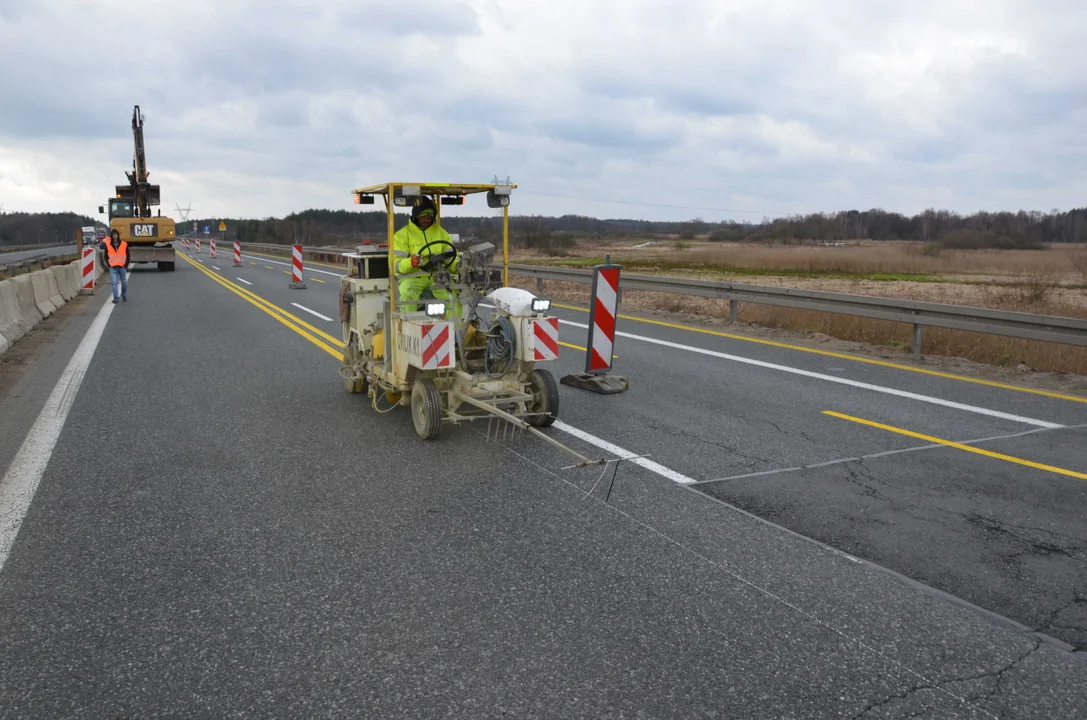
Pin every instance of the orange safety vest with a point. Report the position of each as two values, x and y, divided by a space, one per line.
117 257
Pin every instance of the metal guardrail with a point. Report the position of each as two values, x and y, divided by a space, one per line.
1049 328
11 268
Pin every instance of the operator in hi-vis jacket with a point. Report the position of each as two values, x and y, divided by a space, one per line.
413 269
117 255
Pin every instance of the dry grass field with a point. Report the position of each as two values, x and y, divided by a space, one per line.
1049 282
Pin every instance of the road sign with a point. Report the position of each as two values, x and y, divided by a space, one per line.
194 228
207 230
222 226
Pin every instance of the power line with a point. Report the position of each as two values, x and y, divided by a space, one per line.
660 205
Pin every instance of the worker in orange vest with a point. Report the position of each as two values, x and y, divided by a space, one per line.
117 255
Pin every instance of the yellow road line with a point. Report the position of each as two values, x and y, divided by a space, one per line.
572 347
292 317
317 280
240 292
958 446
269 267
842 356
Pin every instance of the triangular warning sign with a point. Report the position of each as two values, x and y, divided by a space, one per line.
222 225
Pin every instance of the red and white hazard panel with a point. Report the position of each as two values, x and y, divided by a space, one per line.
545 339
436 347
604 310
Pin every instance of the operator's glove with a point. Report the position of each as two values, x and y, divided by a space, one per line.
416 260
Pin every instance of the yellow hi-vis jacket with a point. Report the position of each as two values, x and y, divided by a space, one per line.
409 240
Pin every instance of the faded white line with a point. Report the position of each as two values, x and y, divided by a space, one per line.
646 463
25 472
312 312
215 268
833 379
244 281
305 268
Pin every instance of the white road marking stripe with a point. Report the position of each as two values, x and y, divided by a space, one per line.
311 312
244 281
25 472
215 268
308 269
833 379
626 454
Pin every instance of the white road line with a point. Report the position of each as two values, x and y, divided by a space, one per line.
244 281
311 312
833 379
625 454
21 480
305 268
215 268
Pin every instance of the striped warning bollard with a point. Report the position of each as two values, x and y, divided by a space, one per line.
237 254
600 355
212 253
296 268
88 271
197 246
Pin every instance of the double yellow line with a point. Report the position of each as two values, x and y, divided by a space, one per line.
331 345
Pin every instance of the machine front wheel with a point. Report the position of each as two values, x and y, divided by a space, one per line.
351 359
545 398
426 409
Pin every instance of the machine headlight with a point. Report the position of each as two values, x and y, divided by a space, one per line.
540 305
435 309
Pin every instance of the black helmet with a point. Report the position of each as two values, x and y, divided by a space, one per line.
421 205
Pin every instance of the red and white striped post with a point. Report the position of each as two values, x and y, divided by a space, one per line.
88 271
296 268
213 248
237 253
600 355
198 246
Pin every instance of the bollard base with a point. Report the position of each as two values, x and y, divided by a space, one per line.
86 291
603 384
298 285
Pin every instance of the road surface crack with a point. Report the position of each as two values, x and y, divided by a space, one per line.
751 459
1031 545
997 676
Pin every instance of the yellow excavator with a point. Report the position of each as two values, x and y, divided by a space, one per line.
150 238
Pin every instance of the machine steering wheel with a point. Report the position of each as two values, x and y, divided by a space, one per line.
445 259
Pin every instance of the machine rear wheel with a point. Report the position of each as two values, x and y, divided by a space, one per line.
426 409
545 398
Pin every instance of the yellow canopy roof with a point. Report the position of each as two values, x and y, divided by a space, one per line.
432 188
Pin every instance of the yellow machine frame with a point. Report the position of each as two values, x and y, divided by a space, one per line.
388 191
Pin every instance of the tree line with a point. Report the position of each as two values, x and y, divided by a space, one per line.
1021 229
20 228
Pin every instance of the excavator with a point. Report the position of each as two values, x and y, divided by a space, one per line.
150 238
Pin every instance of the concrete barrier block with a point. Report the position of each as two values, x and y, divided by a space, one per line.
75 275
29 315
64 285
54 288
41 293
10 329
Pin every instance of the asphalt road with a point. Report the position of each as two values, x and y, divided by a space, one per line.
221 530
16 255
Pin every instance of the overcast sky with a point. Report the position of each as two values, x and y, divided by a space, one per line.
263 108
